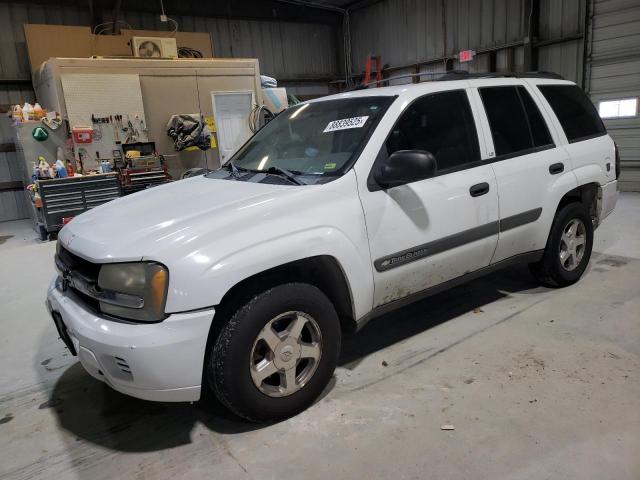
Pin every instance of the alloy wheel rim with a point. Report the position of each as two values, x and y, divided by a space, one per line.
285 354
572 244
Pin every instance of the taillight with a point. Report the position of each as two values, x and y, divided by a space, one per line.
617 161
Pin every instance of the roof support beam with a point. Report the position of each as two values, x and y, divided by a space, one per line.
532 24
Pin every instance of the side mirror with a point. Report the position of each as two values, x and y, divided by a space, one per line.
405 166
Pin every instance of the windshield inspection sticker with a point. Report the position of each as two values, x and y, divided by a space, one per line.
346 123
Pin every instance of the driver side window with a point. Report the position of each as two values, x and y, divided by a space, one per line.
440 123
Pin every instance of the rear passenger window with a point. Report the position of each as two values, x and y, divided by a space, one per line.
517 127
440 123
576 113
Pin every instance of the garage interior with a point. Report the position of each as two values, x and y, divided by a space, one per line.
497 378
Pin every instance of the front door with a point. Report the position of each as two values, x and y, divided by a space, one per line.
427 232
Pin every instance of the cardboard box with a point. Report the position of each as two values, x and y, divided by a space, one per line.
60 41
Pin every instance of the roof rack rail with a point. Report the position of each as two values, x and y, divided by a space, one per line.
462 75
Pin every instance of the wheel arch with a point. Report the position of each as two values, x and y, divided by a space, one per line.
589 194
322 271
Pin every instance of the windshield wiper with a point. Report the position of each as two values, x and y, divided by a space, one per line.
273 170
235 172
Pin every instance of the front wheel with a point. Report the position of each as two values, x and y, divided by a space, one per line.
276 354
568 249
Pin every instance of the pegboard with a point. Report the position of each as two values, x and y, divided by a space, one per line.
104 95
101 95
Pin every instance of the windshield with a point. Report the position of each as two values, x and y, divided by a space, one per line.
318 138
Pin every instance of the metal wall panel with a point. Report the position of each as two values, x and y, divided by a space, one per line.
13 205
406 32
285 49
614 67
561 18
480 25
14 62
564 58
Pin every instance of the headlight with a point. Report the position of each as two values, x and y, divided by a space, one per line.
136 291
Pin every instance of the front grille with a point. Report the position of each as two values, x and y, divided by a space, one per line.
81 269
78 264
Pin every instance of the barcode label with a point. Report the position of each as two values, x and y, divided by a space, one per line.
346 123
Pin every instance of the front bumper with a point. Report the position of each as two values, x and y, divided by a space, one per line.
158 361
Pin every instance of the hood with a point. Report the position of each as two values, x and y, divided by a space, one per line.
142 224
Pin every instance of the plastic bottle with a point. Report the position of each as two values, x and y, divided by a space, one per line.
16 113
34 172
44 167
70 170
27 112
61 170
38 112
105 166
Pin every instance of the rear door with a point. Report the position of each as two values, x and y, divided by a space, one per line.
530 169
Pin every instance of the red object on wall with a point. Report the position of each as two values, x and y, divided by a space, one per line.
378 71
466 55
82 135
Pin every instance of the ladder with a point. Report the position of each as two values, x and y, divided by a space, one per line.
367 71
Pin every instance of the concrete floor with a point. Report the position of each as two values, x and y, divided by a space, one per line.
538 384
17 233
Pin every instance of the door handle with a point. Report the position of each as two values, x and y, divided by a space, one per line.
479 189
556 168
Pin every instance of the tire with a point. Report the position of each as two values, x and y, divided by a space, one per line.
556 270
245 351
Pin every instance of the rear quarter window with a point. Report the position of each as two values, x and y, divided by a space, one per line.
577 115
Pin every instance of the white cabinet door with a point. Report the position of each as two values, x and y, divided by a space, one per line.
231 111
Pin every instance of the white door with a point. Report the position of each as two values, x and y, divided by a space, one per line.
532 173
231 111
427 232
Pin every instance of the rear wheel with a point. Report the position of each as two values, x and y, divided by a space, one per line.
276 353
568 249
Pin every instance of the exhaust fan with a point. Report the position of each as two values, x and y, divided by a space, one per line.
154 47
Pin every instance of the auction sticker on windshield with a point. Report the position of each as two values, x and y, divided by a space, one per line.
346 123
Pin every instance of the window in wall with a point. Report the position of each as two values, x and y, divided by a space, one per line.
516 124
440 123
626 107
576 113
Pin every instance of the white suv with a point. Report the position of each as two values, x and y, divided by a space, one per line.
242 280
